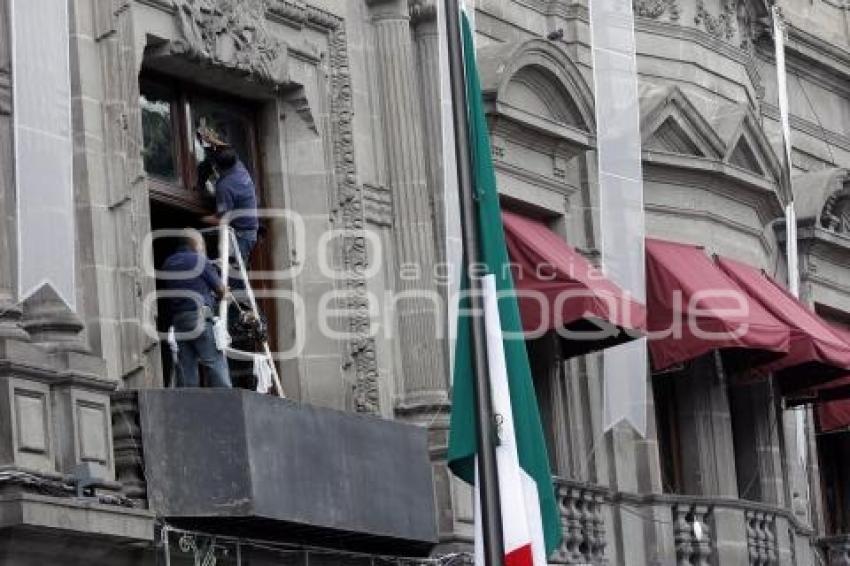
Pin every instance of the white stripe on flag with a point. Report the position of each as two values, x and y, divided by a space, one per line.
517 490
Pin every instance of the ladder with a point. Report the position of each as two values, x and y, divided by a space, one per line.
226 243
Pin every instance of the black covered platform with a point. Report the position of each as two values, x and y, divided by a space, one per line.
242 464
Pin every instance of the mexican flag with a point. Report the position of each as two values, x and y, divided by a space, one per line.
530 518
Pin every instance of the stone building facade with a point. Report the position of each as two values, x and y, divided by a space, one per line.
334 105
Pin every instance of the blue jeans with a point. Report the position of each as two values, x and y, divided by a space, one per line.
245 240
198 347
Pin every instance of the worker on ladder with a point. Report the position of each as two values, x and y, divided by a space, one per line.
235 193
194 288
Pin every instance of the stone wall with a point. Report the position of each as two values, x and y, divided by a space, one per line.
348 132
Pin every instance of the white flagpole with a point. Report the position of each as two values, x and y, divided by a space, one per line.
790 214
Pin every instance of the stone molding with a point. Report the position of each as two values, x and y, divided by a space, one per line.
654 9
498 64
809 128
704 39
233 34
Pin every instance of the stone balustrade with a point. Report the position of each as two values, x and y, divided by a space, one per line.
837 550
761 537
706 531
583 524
692 534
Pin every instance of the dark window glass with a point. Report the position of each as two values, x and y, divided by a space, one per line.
158 133
231 123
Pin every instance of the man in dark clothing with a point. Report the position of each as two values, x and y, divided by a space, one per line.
235 193
189 273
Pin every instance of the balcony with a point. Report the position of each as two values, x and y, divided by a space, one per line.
237 463
690 530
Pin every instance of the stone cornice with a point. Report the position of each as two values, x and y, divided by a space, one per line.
815 130
533 178
568 11
679 212
294 13
818 60
706 40
759 187
836 245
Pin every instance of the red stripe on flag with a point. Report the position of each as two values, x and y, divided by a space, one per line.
522 556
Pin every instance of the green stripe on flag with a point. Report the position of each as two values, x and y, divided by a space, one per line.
531 444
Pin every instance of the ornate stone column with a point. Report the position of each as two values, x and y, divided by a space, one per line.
10 312
417 306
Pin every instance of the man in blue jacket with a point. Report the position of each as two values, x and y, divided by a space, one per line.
194 287
235 193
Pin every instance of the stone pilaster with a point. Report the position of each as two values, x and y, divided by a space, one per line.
426 31
427 36
418 310
10 312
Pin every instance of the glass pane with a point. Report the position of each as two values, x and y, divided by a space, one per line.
232 126
158 132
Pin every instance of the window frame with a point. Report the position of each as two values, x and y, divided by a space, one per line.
182 192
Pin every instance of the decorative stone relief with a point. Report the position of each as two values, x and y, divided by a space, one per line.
350 215
234 35
836 212
721 26
654 9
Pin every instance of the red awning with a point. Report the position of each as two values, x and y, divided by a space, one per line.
558 289
833 390
694 308
832 399
833 415
816 355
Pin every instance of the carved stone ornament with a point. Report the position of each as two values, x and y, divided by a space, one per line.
654 9
350 217
836 212
233 34
423 10
751 27
721 26
5 93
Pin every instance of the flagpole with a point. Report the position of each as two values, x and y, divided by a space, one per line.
488 478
